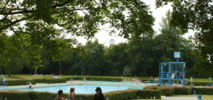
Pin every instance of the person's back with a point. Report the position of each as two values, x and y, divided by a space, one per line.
99 95
60 93
58 98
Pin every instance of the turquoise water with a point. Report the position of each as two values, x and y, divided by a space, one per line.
81 89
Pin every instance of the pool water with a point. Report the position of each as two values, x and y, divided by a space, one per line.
80 89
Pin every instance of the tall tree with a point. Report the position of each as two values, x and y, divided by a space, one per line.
196 15
44 20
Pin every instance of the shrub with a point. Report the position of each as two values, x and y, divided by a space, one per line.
203 90
183 90
151 87
155 94
19 82
148 94
147 79
145 94
26 95
167 91
95 79
119 95
39 80
62 80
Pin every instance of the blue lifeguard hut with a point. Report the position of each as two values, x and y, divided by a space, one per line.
172 71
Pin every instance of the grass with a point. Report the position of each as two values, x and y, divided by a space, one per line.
30 77
205 97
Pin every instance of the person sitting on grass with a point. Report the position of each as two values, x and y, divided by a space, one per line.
99 95
71 95
60 93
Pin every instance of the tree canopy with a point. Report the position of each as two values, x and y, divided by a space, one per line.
40 22
195 15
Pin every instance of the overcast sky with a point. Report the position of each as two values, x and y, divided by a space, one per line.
104 37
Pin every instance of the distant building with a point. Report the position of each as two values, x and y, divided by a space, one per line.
111 42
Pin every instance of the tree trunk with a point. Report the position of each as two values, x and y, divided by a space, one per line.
9 73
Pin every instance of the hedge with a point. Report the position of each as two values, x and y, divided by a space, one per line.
24 95
120 95
60 80
19 82
55 80
149 94
199 83
95 79
183 90
24 82
203 90
167 91
151 87
147 79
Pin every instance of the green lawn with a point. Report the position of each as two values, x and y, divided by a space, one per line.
29 77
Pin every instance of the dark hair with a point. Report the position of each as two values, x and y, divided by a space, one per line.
99 89
60 92
72 90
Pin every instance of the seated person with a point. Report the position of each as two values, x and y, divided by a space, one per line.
60 93
30 86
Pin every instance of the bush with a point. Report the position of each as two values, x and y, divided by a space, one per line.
55 80
155 94
39 80
119 95
145 94
203 90
24 95
151 87
167 91
183 90
95 79
19 82
148 94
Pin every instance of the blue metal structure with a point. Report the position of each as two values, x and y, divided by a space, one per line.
4 80
172 71
209 80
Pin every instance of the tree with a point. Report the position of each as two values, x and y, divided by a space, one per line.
127 71
117 58
196 15
45 20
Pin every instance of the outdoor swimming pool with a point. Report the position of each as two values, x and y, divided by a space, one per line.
81 89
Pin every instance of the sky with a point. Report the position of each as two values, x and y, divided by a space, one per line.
104 37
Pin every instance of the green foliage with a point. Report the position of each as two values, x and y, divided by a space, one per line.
183 90
20 95
55 80
148 94
167 91
196 15
127 71
203 90
39 24
151 87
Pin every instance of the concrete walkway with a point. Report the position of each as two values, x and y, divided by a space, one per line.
178 98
